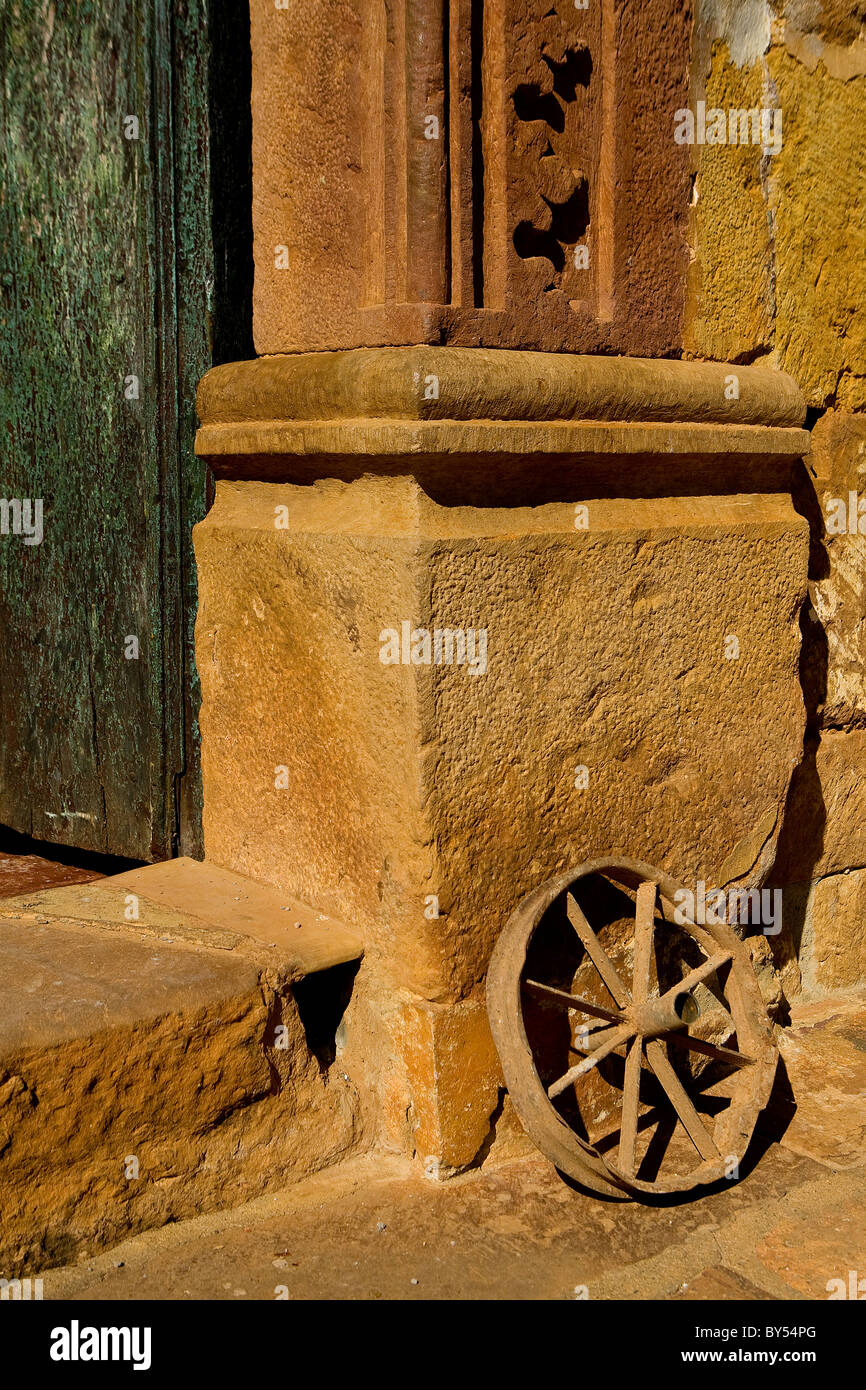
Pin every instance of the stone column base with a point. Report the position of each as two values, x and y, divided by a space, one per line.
469 618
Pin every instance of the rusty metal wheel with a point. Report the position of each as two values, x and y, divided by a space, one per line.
637 1052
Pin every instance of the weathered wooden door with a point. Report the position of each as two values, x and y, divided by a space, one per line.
125 272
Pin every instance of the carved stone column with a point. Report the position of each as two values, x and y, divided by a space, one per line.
493 172
472 614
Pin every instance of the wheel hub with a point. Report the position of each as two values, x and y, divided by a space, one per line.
674 1010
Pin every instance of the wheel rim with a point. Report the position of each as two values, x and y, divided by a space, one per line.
667 1014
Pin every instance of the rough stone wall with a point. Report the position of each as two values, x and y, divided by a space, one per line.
778 246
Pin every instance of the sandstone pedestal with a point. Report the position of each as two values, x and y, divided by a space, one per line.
468 618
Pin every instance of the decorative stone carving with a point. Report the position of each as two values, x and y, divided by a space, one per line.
475 172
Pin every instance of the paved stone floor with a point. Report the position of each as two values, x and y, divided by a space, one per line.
372 1230
375 1228
25 867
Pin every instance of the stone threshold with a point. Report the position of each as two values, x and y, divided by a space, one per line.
185 901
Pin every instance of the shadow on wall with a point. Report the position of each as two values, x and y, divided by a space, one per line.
801 838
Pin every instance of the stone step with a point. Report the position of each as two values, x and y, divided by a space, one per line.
157 1065
203 904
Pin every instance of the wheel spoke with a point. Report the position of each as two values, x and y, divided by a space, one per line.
640 984
707 942
597 954
630 1101
571 1001
617 1036
588 1040
643 942
701 972
691 1120
720 1054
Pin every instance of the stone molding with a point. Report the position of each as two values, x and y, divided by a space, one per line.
443 400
